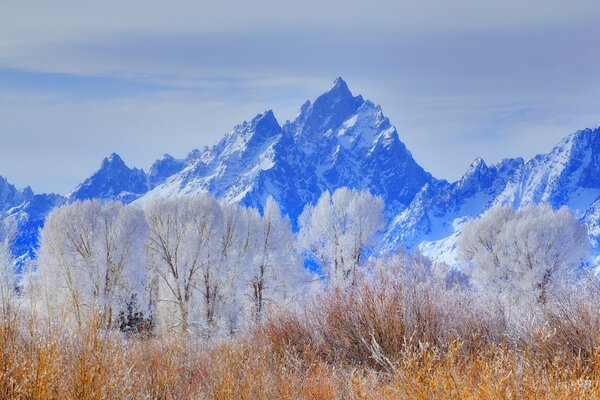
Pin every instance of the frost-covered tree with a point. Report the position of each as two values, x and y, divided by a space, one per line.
217 265
184 248
91 259
337 231
275 272
234 249
7 273
523 253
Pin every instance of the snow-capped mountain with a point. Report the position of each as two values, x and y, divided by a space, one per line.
116 181
29 217
26 211
166 166
437 209
113 181
10 196
567 176
338 140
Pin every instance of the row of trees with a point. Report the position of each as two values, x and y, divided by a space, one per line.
193 264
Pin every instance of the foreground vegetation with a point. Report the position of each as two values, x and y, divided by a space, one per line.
192 298
399 334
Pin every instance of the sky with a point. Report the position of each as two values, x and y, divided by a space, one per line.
459 79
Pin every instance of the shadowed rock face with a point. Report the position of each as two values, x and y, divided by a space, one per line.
10 196
29 218
111 181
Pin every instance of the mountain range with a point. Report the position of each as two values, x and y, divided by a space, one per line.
338 140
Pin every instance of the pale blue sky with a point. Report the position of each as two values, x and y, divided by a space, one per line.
459 79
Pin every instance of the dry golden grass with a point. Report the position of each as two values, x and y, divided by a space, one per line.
373 342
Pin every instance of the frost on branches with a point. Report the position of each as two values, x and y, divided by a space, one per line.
216 267
524 255
182 265
182 245
91 260
337 231
275 272
7 273
195 266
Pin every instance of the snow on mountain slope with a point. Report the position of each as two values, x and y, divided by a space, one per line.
591 218
231 167
113 181
339 140
438 210
26 211
568 175
29 217
10 196
166 166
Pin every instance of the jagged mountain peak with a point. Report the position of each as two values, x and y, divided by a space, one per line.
478 178
264 125
509 164
266 117
10 196
328 111
113 161
337 140
587 135
580 152
114 180
568 175
265 121
340 139
194 154
163 168
477 165
340 86
573 146
246 137
166 156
